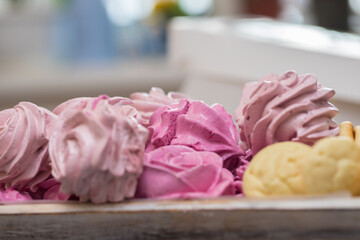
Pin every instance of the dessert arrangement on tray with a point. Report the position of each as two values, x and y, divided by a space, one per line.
153 145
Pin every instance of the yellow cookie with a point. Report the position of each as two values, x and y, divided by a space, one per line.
333 165
347 129
357 135
276 171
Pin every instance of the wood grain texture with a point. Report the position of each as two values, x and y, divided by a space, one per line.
225 218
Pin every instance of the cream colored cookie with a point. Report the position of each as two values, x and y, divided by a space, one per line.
333 165
357 135
347 129
276 171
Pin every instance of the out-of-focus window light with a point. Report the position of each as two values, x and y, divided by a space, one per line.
355 6
197 7
125 12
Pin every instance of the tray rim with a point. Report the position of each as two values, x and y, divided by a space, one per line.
216 204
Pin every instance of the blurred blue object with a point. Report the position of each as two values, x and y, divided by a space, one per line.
138 39
99 30
82 32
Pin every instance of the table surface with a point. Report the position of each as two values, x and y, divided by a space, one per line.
331 217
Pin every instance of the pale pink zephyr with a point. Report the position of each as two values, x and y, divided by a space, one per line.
284 108
81 102
97 150
58 110
147 103
24 134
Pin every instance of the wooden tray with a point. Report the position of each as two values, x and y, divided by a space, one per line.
222 218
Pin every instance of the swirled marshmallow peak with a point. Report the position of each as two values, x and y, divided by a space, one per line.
24 135
80 102
284 108
196 125
97 150
58 110
147 103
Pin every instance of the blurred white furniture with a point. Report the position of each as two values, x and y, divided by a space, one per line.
219 55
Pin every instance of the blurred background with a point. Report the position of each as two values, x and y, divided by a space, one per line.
54 50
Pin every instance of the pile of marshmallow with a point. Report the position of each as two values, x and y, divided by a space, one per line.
153 145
